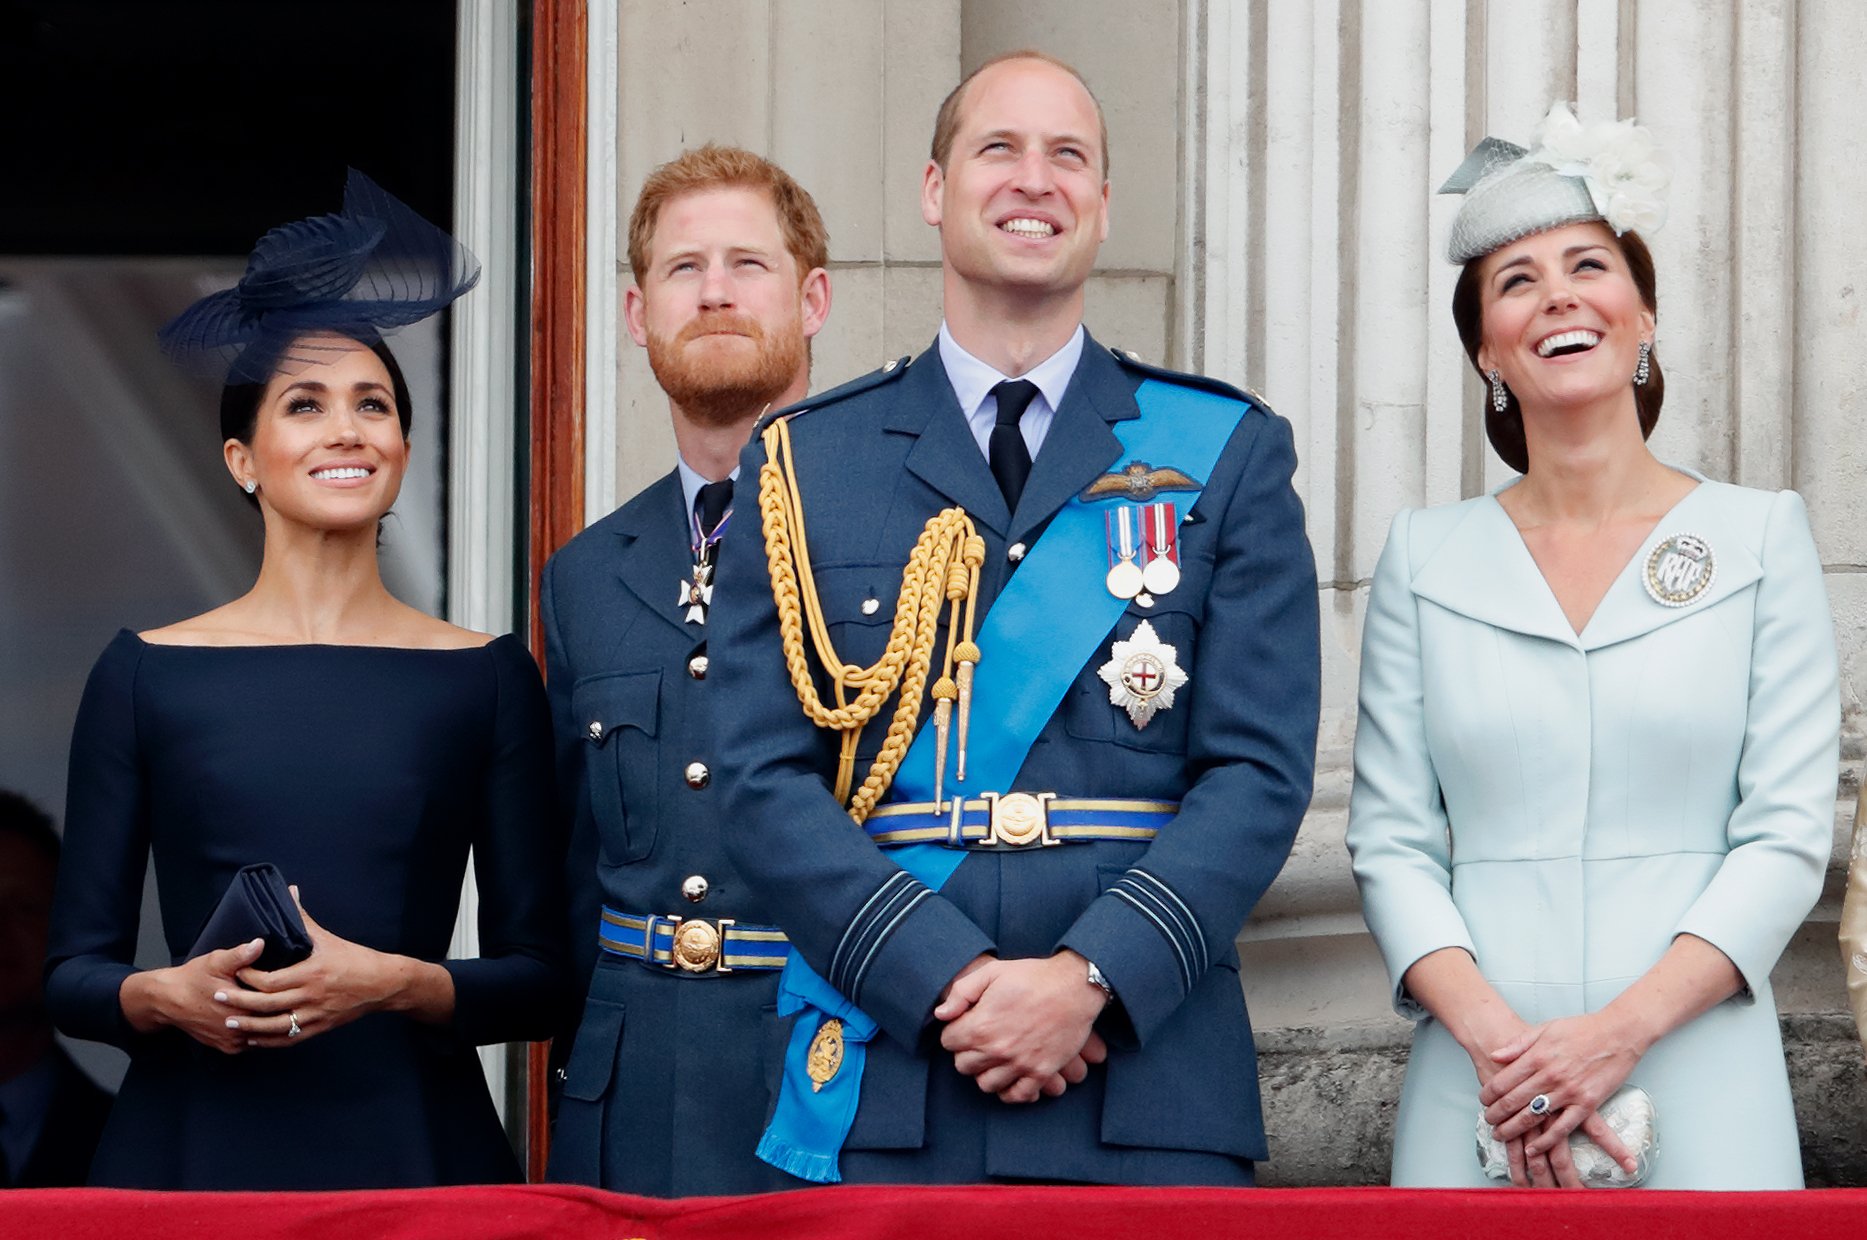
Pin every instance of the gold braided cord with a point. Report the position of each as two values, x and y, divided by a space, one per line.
942 569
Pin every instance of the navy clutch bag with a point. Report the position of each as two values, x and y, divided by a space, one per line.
257 905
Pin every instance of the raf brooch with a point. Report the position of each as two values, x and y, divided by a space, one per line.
1142 674
1679 570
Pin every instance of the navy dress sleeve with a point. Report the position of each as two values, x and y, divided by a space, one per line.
98 906
516 989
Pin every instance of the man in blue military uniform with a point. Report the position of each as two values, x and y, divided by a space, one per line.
1014 936
664 1089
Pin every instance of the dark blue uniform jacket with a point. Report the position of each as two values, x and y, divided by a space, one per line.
1178 1100
665 1089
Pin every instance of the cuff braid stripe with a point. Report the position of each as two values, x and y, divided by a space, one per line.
1184 916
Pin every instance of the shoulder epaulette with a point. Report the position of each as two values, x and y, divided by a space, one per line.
889 372
1132 360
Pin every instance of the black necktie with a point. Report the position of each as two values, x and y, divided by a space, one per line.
711 503
1005 451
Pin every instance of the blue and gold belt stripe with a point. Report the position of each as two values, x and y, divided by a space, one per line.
733 945
1067 820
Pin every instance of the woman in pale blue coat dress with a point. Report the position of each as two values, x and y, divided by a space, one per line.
1596 760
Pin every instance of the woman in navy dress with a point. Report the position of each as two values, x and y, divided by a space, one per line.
321 725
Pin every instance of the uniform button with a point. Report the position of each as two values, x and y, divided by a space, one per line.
698 776
694 888
596 729
1015 552
870 606
697 667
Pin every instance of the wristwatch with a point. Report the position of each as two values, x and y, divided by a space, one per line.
1100 982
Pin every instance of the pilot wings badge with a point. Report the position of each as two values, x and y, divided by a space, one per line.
1142 674
1138 481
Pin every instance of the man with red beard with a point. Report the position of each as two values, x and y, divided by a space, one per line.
665 1088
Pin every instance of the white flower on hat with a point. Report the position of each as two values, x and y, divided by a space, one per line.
1624 170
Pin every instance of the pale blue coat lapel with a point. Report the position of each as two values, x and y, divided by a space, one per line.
1483 570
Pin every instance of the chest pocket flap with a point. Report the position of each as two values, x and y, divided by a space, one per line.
618 714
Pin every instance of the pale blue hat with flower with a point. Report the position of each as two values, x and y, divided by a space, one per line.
1572 173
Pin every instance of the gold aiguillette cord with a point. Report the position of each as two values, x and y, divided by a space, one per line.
943 569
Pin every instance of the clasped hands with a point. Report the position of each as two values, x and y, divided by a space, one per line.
221 1001
1574 1063
1023 1029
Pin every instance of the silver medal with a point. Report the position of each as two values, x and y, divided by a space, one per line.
1679 570
1161 575
1125 577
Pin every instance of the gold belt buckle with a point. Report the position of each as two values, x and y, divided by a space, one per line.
1019 820
697 945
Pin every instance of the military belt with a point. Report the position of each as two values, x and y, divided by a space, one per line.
692 944
1015 821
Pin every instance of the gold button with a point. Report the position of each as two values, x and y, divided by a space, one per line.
1015 552
697 667
698 776
694 888
596 729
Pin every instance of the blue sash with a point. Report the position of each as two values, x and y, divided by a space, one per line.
1041 629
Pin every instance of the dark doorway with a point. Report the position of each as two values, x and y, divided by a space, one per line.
189 127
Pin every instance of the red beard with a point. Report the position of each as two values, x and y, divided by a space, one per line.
723 386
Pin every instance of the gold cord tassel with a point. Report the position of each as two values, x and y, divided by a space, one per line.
943 568
943 693
967 655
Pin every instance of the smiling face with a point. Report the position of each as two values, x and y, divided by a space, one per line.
1562 319
1022 203
721 306
327 448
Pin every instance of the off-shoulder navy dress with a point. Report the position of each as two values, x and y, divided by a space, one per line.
365 774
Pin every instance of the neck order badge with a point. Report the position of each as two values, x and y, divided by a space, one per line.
1052 616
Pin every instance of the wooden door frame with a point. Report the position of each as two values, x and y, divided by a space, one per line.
559 184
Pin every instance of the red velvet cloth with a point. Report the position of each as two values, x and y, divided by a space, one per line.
545 1212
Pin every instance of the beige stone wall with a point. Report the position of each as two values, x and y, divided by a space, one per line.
842 93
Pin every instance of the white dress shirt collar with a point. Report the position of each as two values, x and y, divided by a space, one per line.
973 381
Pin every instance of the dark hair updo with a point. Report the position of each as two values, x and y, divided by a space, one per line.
1505 430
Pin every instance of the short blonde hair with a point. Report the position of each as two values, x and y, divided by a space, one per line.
729 167
946 121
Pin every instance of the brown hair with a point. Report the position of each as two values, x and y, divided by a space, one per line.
1505 430
729 167
946 121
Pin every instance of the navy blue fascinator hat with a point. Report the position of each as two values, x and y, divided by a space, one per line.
367 270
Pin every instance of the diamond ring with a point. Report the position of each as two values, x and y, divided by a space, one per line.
1539 1105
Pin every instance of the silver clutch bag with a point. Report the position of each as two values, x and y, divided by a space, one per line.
1629 1112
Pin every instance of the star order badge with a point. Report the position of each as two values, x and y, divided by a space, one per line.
1142 674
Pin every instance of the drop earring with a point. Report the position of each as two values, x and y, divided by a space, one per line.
1643 369
1500 398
